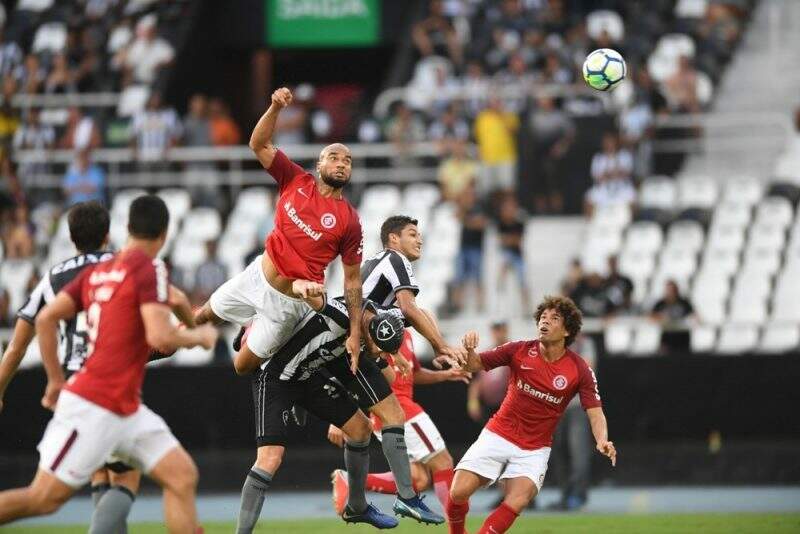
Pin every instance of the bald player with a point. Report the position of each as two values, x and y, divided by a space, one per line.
314 223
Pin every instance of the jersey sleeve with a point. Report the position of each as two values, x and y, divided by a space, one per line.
402 274
407 350
352 243
75 288
152 282
36 300
500 356
284 170
587 385
336 311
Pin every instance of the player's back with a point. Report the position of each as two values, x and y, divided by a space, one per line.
111 294
310 229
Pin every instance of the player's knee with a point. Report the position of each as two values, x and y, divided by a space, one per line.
518 500
43 503
442 461
391 413
459 493
269 458
185 479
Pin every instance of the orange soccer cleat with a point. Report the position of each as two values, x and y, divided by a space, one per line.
340 490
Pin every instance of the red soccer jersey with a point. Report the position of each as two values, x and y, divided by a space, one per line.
111 293
538 392
403 386
310 230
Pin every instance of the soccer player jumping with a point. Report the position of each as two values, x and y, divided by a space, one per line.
314 223
515 444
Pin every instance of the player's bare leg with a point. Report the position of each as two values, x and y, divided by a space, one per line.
465 484
43 496
113 503
519 492
177 474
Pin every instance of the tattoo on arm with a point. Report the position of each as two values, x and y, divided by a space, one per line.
352 298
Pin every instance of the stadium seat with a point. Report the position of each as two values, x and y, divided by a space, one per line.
719 261
766 261
380 198
710 286
646 338
188 254
728 213
178 202
50 37
702 338
603 241
751 284
737 339
726 237
697 192
674 45
132 99
605 20
710 312
787 190
636 263
742 191
658 192
687 236
421 195
202 224
38 6
769 236
786 308
676 263
691 9
617 337
774 210
748 309
645 237
615 216
661 67
14 277
779 338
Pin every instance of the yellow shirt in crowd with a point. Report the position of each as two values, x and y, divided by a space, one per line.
494 132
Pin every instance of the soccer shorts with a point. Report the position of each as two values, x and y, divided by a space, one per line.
423 439
248 297
495 458
368 386
273 400
82 436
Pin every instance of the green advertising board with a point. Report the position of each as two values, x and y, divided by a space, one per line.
322 23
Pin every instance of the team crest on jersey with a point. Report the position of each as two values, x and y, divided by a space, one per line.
328 220
559 382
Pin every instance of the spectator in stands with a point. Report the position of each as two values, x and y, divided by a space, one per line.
457 172
31 76
7 316
511 230
84 180
488 388
591 297
672 309
147 54
18 235
476 86
81 132
403 129
518 78
10 54
435 35
224 131
448 129
681 88
469 262
611 170
555 71
636 122
87 65
196 125
574 277
507 28
292 123
33 135
552 132
61 79
9 118
210 274
619 288
155 130
495 132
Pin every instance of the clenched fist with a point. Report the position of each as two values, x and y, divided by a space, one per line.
281 97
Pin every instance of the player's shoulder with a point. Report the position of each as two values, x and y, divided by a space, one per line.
577 360
396 256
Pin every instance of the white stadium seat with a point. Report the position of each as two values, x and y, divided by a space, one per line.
254 202
719 262
14 277
193 357
384 199
686 236
618 337
605 20
762 260
132 99
767 235
614 216
188 254
775 210
742 191
702 338
697 192
636 264
676 264
730 213
786 308
646 338
644 237
779 338
726 237
50 37
658 192
712 287
751 284
675 45
421 195
691 9
202 224
710 312
748 309
737 339
178 202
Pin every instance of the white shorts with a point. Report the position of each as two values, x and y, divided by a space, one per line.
495 458
83 436
248 297
423 439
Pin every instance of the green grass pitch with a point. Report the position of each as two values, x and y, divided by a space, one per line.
544 524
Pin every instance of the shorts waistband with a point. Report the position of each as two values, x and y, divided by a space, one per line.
266 283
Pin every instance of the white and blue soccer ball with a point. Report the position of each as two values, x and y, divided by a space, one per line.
604 69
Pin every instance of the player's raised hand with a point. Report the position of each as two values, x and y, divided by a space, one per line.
51 394
458 375
306 289
607 449
445 360
336 436
470 340
281 97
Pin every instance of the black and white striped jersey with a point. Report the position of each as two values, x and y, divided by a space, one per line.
72 347
317 339
384 274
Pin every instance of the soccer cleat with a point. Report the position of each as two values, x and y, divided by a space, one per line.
416 509
340 490
371 515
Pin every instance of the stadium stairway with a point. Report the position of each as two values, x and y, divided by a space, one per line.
551 243
762 78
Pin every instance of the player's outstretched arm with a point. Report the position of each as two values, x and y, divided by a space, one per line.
60 309
425 325
597 420
261 138
165 337
425 377
23 334
180 305
353 299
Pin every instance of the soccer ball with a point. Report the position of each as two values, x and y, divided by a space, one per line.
604 69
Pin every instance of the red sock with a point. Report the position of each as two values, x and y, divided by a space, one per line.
456 516
499 521
442 480
382 483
